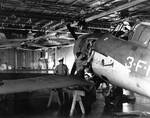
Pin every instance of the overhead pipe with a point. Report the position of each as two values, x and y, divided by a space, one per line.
119 8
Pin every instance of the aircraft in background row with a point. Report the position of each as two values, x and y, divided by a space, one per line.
41 42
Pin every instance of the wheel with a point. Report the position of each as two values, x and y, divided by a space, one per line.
113 96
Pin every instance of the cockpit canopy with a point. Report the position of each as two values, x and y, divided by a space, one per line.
142 34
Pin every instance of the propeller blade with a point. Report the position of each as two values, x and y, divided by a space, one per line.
71 30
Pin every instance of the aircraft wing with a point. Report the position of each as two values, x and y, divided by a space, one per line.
42 82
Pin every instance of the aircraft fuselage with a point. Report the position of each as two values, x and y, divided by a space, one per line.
124 63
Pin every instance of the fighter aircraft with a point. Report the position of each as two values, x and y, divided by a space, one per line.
122 63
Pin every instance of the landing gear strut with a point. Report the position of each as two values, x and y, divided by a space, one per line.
114 97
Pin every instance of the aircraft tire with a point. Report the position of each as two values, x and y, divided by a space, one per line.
115 97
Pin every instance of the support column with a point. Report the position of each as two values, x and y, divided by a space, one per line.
16 61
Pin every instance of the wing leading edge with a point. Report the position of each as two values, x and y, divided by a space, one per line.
43 82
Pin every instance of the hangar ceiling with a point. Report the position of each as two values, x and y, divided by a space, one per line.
51 16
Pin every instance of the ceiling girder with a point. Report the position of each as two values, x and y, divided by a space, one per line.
120 8
111 11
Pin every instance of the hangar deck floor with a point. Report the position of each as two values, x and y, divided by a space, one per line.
37 109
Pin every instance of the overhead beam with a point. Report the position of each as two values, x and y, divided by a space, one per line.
74 2
40 15
120 8
39 22
47 24
64 28
56 25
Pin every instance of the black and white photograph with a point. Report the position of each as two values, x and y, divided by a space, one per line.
74 58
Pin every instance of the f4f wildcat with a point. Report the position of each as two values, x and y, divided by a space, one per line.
123 63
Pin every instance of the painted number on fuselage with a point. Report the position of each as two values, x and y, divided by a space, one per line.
137 66
129 62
